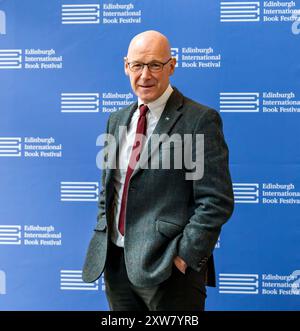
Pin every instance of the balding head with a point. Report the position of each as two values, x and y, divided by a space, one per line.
149 47
150 41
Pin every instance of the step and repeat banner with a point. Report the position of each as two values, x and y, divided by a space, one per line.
61 75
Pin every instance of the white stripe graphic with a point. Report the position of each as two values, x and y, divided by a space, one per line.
246 192
239 102
79 191
72 280
10 146
239 11
10 234
80 102
238 283
81 14
10 58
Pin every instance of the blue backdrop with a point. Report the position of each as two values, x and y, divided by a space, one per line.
61 74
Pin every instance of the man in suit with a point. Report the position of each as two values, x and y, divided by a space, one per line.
157 226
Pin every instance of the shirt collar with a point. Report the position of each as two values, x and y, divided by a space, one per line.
157 106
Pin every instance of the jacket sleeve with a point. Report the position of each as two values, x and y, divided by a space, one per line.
212 194
102 195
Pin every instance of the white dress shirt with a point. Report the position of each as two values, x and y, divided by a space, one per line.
155 110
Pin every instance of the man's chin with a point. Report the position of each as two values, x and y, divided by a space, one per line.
147 95
146 98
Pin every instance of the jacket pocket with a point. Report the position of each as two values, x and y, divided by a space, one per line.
168 229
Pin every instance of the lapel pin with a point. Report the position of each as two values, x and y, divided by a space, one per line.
167 118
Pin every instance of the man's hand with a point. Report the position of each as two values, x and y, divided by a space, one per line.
180 264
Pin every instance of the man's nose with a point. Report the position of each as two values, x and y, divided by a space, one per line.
146 73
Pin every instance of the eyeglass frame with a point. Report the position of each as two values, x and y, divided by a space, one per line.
147 64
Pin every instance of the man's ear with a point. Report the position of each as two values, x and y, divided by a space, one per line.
172 66
126 69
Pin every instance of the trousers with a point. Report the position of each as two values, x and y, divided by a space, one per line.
180 292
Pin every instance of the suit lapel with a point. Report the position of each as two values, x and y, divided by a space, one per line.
167 120
124 121
121 120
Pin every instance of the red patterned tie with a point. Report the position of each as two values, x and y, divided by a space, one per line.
134 157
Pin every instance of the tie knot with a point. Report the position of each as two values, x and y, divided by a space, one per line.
143 110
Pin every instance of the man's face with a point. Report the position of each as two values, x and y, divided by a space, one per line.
147 85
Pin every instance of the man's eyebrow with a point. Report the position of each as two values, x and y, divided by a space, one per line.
136 61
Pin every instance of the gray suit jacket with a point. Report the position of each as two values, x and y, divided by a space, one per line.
167 215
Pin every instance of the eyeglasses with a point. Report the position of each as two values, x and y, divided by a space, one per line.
154 66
